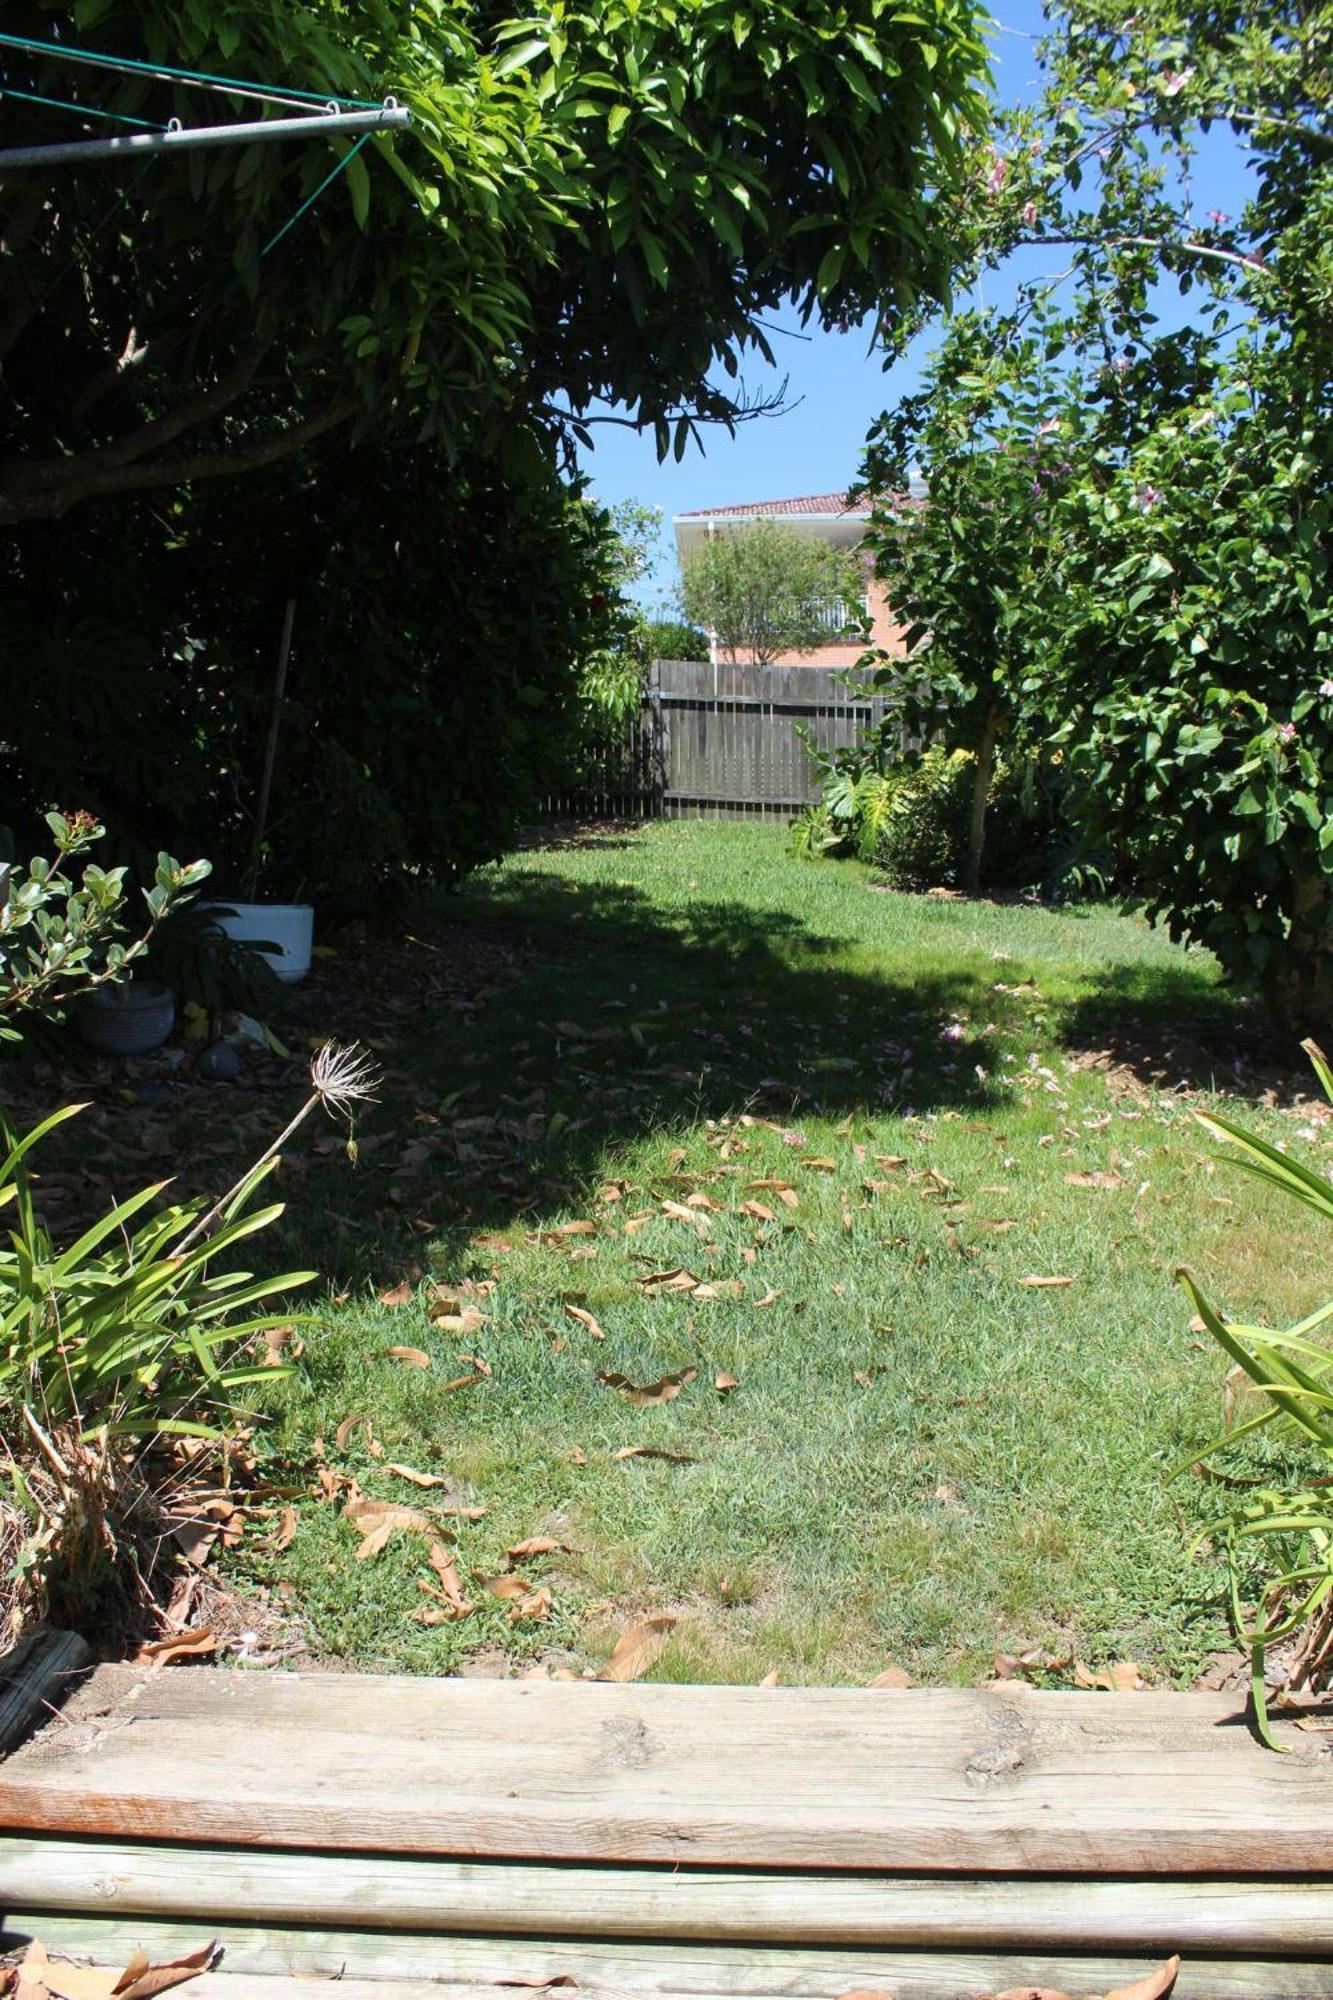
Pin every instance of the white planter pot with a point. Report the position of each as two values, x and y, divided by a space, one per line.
289 926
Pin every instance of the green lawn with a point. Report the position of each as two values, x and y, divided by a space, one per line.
924 1457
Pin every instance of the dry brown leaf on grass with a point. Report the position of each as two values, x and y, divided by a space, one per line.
466 1320
679 1213
537 1545
538 1984
725 1383
638 1647
463 1382
377 1520
415 1478
582 1317
345 1429
534 1608
770 1298
1096 1180
397 1295
678 1279
1045 1284
197 1644
1028 1660
286 1534
1121 1678
652 1451
721 1288
646 1394
784 1191
411 1357
759 1210
892 1677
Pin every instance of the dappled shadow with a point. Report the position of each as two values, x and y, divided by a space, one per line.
1168 1028
596 1017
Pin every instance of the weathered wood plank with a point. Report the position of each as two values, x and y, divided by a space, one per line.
102 1878
956 1780
35 1677
466 1968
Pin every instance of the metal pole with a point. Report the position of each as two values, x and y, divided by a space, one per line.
390 117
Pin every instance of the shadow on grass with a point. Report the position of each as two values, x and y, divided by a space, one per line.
1171 1028
621 1020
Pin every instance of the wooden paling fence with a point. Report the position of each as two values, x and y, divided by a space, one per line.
724 741
420 1839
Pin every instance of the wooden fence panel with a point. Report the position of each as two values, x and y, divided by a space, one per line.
718 739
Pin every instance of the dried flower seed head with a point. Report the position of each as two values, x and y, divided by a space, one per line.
344 1077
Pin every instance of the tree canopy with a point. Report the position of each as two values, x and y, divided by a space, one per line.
766 589
594 205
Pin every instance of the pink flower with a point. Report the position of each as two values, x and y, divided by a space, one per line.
1326 689
1050 424
1148 498
1029 214
954 1032
1173 81
1287 731
1217 216
998 175
1121 363
794 1139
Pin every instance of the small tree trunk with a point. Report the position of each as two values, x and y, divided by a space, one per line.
981 783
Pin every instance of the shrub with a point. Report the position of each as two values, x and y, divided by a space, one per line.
59 938
112 1348
1278 1539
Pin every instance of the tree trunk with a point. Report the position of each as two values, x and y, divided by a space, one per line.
981 783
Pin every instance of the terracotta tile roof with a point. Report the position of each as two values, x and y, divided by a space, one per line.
804 503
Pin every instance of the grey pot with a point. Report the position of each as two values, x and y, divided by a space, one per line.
126 1020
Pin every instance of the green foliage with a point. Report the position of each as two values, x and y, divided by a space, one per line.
676 639
1162 579
1195 659
59 937
593 204
1285 1533
766 589
123 1331
450 620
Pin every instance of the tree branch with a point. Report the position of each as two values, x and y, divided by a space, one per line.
87 480
1240 258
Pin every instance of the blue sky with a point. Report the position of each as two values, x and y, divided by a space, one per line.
836 385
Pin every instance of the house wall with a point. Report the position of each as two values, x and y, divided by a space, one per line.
885 632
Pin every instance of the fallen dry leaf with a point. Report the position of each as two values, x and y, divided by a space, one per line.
196 1644
677 1279
539 1984
645 1394
724 1383
583 1318
1122 1678
759 1210
770 1298
892 1677
377 1520
653 1451
1095 1180
499 1246
505 1586
721 1288
397 1295
466 1320
638 1647
536 1545
535 1607
771 1678
1028 1660
154 1979
1154 1987
412 1357
464 1382
1045 1284
410 1473
450 1582
286 1534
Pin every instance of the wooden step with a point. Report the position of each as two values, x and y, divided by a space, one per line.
360 1892
1000 1780
289 1964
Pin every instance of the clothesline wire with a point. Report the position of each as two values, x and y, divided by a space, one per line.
168 73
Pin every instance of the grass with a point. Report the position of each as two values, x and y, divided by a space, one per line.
925 1458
